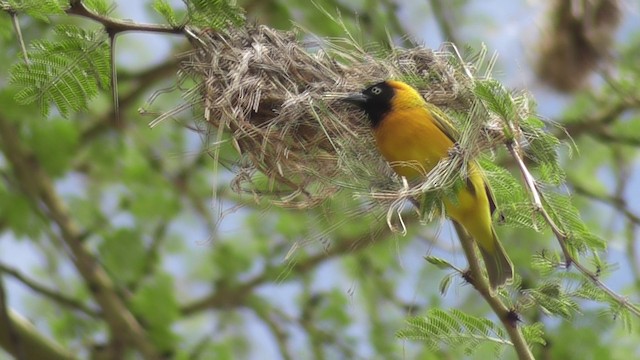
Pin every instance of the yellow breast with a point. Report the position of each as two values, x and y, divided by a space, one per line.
411 142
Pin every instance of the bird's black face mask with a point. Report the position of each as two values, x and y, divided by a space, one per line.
375 101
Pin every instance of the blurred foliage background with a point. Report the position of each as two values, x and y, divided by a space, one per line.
112 245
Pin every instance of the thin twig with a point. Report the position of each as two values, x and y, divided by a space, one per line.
530 182
442 14
593 123
114 79
143 81
618 203
114 26
258 306
49 293
16 27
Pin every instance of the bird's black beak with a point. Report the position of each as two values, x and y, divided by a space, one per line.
358 99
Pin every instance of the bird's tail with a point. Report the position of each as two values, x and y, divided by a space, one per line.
499 267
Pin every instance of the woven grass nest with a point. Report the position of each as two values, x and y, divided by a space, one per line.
277 99
578 39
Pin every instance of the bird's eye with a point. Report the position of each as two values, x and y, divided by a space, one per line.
376 90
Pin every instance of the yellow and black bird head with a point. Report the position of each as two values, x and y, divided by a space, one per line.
380 99
375 101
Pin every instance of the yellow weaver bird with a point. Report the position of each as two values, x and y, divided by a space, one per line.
413 136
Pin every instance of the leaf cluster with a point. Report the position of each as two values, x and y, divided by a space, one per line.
213 15
67 71
454 329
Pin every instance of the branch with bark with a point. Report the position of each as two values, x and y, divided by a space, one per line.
39 189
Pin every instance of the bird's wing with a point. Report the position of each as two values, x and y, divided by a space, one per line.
492 200
443 123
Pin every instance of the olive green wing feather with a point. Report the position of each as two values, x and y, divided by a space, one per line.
443 123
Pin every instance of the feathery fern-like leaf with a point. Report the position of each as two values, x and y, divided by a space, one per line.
497 99
568 218
512 201
545 263
38 9
68 71
100 7
163 8
534 334
553 299
542 148
454 328
439 262
214 14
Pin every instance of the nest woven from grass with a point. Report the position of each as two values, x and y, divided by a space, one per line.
578 38
279 99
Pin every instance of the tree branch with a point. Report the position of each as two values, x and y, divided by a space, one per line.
49 293
507 317
442 14
236 295
280 334
114 26
595 122
32 345
39 188
21 339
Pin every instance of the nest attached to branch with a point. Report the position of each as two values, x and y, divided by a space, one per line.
278 100
578 38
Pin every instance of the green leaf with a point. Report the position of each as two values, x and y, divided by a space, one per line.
215 14
512 201
154 200
553 299
568 219
230 258
291 225
163 8
546 263
542 147
455 329
68 71
497 99
54 143
445 283
588 290
39 9
100 7
156 303
332 308
6 28
16 210
534 334
440 263
123 253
